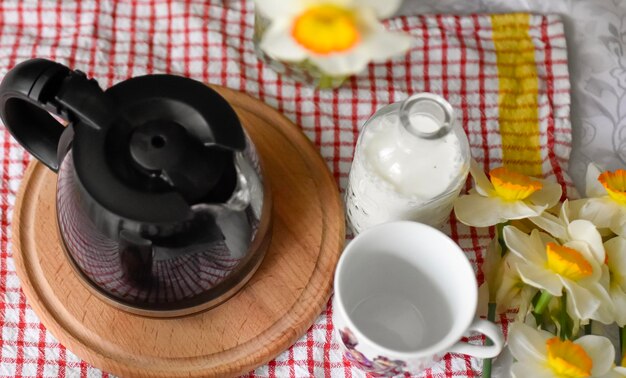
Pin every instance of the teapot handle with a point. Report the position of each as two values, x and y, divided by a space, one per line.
25 108
35 90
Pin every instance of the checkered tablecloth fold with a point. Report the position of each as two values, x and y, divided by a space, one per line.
505 75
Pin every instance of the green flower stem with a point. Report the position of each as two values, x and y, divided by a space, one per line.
622 341
326 82
566 331
542 303
588 328
491 313
330 82
500 235
491 316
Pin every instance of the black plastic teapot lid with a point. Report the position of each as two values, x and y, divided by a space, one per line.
170 146
146 149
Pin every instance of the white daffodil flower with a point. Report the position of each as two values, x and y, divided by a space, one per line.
586 232
540 354
606 202
512 292
565 230
616 262
574 267
507 195
502 282
340 37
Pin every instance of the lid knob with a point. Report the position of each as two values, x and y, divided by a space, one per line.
164 150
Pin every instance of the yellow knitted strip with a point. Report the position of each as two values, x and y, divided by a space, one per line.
518 97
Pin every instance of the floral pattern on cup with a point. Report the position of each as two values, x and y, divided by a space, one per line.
380 367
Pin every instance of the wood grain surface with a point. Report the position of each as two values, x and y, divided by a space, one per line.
276 307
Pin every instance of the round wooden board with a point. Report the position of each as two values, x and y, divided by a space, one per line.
275 308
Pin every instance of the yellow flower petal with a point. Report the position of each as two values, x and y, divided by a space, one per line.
513 186
567 359
567 262
615 185
326 29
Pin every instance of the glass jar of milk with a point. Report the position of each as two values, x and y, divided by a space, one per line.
410 163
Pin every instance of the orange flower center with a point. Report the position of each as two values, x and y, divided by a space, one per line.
567 262
567 359
615 184
513 186
326 29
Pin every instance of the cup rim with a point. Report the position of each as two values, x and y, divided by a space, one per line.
441 346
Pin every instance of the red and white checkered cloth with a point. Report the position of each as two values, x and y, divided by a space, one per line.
211 41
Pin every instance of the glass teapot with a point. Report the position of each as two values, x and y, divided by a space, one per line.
161 204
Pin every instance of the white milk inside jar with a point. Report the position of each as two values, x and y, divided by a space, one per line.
410 163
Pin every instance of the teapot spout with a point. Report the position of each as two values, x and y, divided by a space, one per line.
234 217
233 223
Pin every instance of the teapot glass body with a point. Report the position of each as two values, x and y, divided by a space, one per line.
161 202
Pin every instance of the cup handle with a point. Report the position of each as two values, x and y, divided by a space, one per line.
487 328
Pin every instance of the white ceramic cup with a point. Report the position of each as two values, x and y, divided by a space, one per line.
405 294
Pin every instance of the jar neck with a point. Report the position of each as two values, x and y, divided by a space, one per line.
425 116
